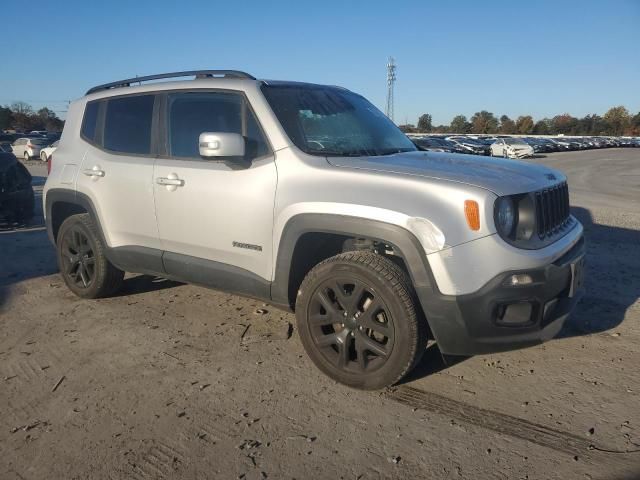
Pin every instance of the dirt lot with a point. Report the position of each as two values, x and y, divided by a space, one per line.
175 381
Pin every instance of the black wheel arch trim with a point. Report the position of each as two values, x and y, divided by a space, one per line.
405 244
130 258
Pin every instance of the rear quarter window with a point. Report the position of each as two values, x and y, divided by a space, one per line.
90 121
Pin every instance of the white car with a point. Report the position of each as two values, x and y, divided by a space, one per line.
28 147
45 153
511 148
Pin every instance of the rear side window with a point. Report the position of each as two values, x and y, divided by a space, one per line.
127 124
193 113
90 121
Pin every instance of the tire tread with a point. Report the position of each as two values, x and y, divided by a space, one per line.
401 285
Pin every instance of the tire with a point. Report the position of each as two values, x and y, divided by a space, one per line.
340 300
505 154
26 156
43 156
82 260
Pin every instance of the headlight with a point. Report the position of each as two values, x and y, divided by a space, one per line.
505 216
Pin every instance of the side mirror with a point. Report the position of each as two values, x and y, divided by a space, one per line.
219 144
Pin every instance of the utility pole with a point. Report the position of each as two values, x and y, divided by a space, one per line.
391 80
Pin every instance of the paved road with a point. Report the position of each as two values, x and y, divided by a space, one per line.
601 178
175 381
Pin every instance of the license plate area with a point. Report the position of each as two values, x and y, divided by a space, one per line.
577 276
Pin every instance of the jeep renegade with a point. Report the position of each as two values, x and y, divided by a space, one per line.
308 197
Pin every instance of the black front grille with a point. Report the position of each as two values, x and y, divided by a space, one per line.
552 210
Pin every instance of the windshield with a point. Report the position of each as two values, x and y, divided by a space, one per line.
330 121
514 141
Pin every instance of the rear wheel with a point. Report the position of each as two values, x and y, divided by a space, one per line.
358 321
82 261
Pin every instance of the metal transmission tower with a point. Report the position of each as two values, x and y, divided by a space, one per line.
391 80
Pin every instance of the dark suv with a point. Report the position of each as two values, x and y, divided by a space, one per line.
16 194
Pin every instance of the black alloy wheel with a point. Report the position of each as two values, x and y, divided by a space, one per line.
80 261
359 320
351 325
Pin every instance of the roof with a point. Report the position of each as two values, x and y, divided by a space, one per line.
199 75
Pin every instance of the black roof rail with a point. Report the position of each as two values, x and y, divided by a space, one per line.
190 73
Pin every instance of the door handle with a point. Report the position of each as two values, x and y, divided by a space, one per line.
93 172
171 182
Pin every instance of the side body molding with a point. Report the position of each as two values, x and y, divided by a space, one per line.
150 261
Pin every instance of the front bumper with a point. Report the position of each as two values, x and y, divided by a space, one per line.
521 153
485 321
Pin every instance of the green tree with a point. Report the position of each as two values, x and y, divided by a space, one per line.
507 125
425 123
634 127
459 124
524 124
565 124
408 128
49 120
22 113
618 119
6 117
543 127
484 122
592 125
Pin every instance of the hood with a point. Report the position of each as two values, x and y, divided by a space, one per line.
500 176
7 160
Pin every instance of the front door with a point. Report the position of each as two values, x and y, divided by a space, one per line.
216 218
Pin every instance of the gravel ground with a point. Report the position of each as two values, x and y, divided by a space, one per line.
175 381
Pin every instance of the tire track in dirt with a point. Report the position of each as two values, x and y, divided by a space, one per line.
160 460
30 367
498 422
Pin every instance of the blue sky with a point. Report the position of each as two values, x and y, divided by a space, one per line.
509 57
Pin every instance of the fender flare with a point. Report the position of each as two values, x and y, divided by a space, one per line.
405 244
65 195
129 258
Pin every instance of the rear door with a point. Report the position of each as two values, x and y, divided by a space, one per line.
117 172
220 220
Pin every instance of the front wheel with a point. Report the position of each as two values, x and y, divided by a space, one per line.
43 156
358 321
26 156
82 260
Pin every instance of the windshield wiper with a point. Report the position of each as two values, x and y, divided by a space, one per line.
332 153
392 152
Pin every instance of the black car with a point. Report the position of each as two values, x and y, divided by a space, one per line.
16 195
471 145
437 144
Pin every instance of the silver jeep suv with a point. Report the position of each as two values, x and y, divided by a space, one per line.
307 197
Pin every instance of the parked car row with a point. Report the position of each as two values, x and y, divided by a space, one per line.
36 144
516 147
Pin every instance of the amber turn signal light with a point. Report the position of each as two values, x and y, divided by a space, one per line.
472 212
